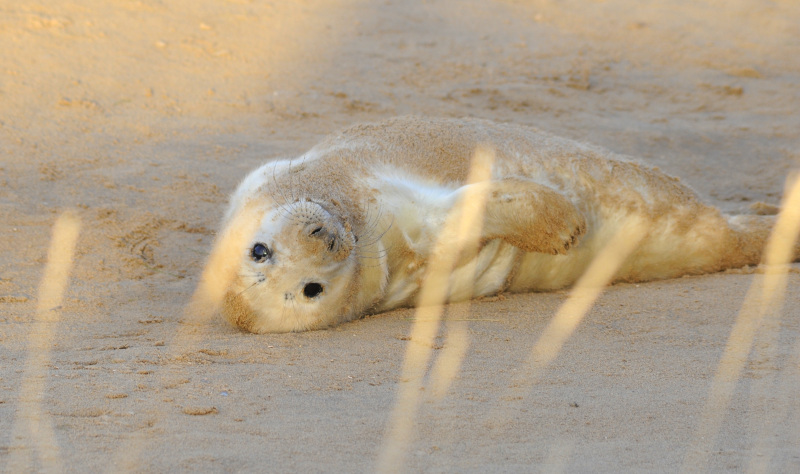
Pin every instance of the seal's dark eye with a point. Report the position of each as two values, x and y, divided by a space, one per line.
312 290
260 252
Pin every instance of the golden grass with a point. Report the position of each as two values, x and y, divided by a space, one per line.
763 300
467 218
32 423
448 363
460 235
218 273
223 263
583 296
760 314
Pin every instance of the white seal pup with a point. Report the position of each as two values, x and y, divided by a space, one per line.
348 228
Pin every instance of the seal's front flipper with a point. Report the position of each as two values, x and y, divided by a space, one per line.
532 217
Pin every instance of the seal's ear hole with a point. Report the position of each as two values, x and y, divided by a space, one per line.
312 290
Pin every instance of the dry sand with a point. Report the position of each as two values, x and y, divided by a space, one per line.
140 116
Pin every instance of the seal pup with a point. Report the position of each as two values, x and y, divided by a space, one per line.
348 228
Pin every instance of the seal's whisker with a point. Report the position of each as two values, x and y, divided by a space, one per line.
291 306
369 241
291 182
379 237
373 221
275 180
360 252
366 245
365 259
370 216
251 275
281 205
378 254
288 212
291 177
251 286
380 219
375 265
284 211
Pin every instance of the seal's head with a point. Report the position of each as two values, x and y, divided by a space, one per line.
298 272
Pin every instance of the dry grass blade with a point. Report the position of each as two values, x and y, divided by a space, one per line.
33 424
459 235
222 264
448 363
763 299
218 273
586 291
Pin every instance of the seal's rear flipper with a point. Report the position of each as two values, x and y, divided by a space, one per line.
752 234
531 217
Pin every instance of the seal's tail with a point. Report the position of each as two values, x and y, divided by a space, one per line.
751 234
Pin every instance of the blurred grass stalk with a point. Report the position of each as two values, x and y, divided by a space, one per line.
33 428
763 300
459 236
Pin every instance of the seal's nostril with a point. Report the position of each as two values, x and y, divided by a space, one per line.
312 290
316 231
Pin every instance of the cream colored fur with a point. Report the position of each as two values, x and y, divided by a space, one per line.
359 214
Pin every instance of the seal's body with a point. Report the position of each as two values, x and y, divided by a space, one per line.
348 228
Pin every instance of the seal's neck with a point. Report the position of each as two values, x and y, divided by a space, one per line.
373 274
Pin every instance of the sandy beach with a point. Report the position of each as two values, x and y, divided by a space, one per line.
125 124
